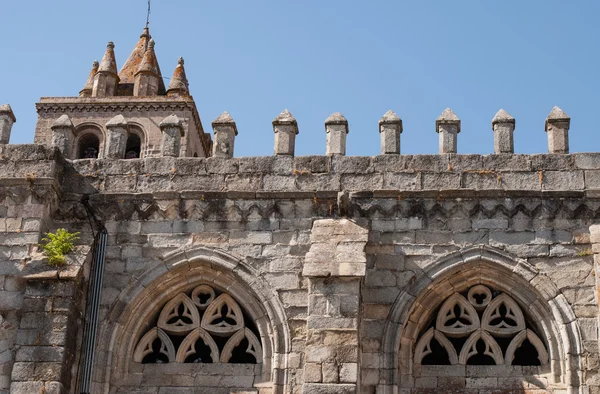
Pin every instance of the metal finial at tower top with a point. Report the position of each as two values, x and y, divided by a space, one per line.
148 14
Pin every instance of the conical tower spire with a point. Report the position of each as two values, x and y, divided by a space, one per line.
109 62
132 65
147 77
179 85
149 63
89 84
106 78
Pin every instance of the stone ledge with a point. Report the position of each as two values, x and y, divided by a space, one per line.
322 388
399 176
38 269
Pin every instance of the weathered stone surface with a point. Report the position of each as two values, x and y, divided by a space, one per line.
390 128
447 125
337 266
172 129
557 127
7 119
336 127
337 249
225 131
503 125
285 127
116 141
62 134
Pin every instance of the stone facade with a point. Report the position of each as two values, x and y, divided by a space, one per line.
393 274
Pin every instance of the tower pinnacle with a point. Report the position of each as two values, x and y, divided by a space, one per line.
179 85
89 84
132 65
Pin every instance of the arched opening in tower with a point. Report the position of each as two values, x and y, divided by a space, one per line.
89 147
134 147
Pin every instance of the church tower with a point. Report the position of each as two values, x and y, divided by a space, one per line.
122 111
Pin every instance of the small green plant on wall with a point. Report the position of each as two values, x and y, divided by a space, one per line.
56 245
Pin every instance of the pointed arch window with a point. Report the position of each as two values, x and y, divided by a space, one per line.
480 326
202 325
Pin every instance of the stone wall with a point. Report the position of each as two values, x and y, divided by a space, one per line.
341 261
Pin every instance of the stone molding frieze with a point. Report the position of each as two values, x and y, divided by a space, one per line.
219 206
53 104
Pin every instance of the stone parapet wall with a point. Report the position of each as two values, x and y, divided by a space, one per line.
448 173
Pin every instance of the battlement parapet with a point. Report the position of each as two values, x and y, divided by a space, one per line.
285 127
406 173
460 174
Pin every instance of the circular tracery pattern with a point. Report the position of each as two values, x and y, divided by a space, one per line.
200 327
480 327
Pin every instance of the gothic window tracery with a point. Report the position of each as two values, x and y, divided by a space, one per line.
200 326
480 326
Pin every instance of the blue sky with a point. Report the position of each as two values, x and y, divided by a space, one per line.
316 57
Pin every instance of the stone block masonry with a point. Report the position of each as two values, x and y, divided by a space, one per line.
340 262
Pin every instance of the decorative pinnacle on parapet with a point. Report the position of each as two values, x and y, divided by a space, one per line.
62 133
557 127
172 130
117 121
336 127
170 121
225 130
447 125
62 122
503 126
390 128
7 119
285 128
5 109
502 117
225 120
557 115
447 117
285 118
336 118
391 118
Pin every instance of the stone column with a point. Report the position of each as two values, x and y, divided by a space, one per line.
47 334
334 266
63 134
286 129
557 127
336 127
448 127
503 125
390 128
172 130
7 119
225 131
116 141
